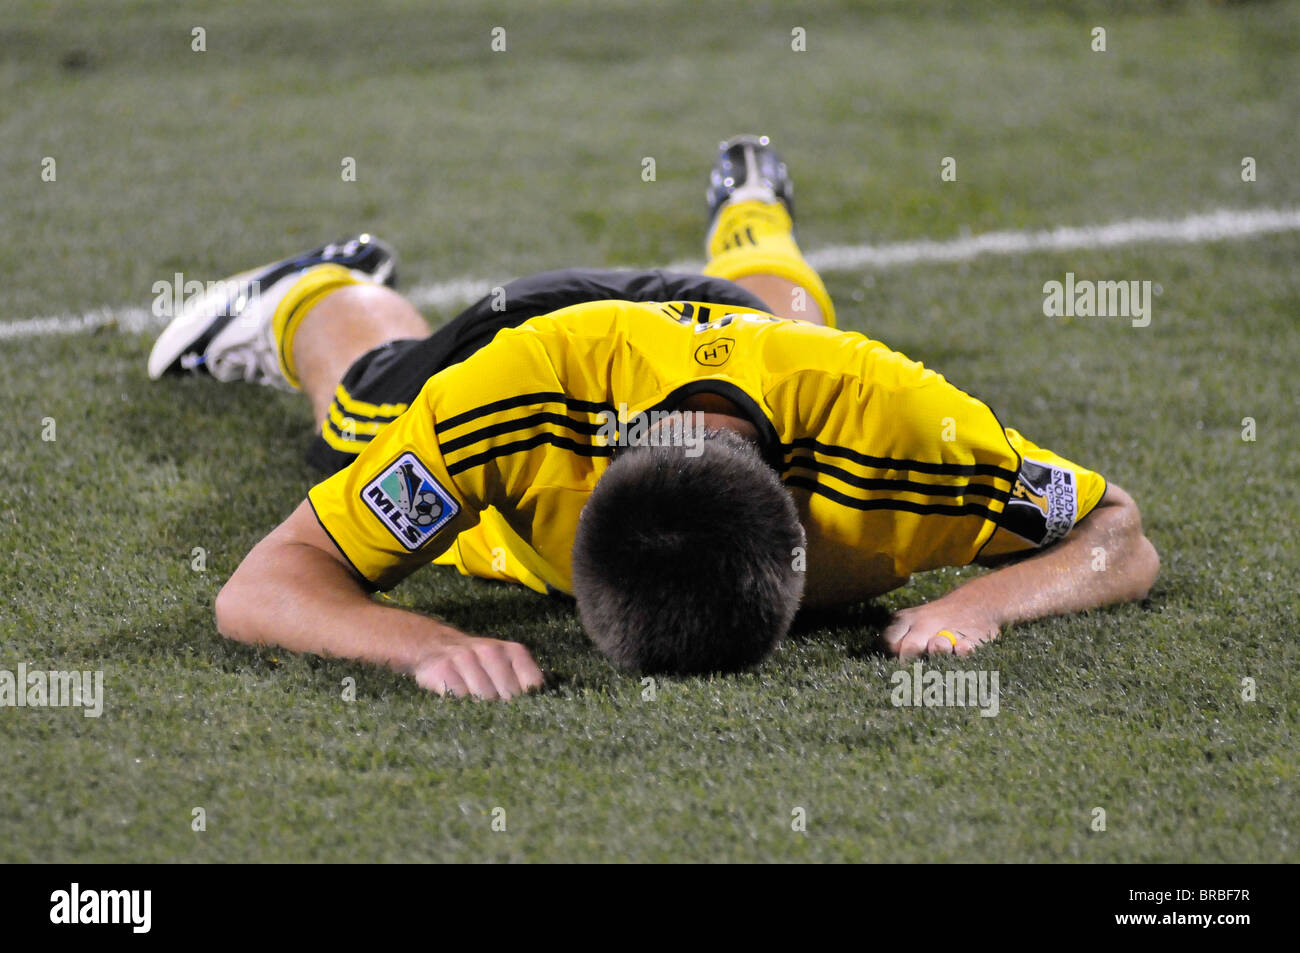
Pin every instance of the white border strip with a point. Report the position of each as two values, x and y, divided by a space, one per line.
1210 227
1215 226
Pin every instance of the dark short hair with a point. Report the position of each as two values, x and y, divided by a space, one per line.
686 564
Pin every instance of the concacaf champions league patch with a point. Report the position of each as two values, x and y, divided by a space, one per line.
1043 503
409 501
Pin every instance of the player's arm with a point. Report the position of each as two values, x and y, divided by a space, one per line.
297 590
1062 578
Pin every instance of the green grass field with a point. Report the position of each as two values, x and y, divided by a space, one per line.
491 165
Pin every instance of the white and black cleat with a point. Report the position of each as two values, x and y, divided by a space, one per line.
748 168
226 331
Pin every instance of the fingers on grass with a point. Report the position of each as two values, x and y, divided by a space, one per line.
496 663
445 680
473 675
526 669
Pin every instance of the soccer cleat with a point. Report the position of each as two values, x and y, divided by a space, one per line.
227 331
748 168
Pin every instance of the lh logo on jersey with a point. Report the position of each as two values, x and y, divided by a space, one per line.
409 501
715 353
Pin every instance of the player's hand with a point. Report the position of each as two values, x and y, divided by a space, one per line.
483 668
914 632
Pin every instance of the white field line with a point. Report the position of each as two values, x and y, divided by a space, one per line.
1214 226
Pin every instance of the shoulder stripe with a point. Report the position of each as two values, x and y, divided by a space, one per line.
521 400
530 443
894 485
889 463
518 423
926 509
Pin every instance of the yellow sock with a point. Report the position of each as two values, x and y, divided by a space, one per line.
757 238
312 285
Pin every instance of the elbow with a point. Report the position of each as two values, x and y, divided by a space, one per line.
224 608
228 608
1146 564
1143 558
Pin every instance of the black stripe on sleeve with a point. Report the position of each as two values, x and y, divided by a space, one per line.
521 400
519 423
925 509
889 463
518 446
895 485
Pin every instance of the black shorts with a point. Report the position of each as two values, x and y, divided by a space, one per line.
395 373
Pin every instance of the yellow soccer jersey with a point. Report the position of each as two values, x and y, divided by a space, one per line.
893 469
